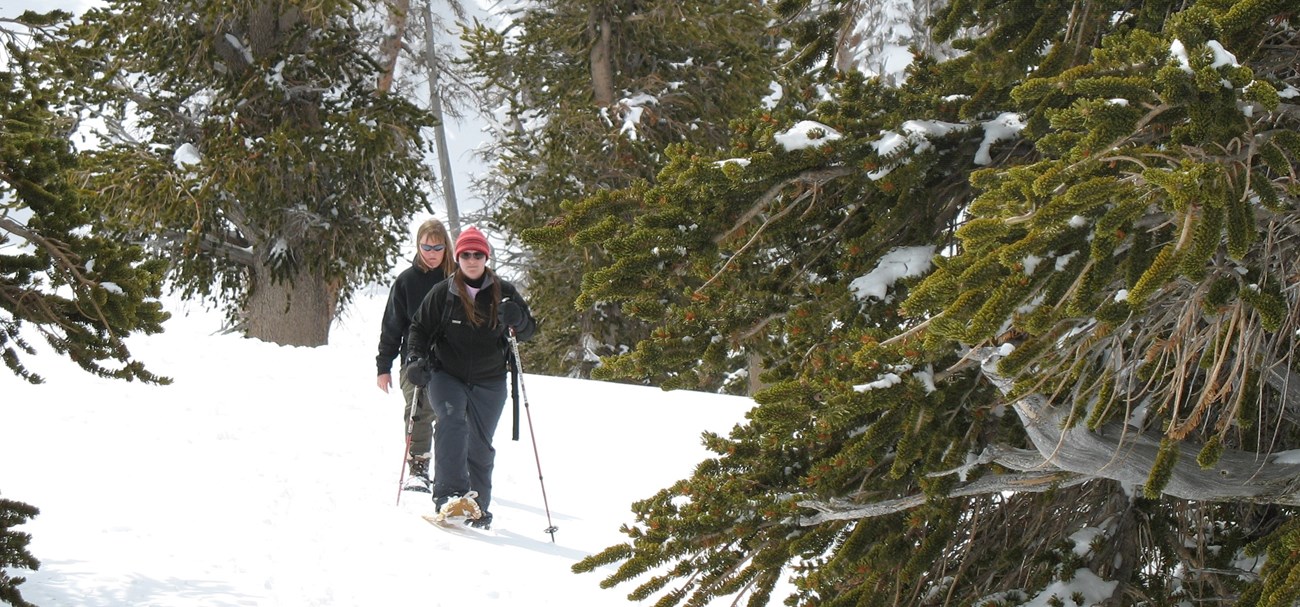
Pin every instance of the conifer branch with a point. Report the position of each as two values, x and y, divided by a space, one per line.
60 252
754 238
1119 453
1071 457
1028 482
908 333
207 243
814 178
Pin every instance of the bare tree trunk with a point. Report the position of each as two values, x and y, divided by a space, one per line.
296 313
391 46
440 129
263 23
754 362
587 343
602 67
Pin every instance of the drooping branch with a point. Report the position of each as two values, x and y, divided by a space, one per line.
1286 382
1068 457
1119 453
64 262
1024 482
815 178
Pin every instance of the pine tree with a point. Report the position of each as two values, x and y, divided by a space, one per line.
62 275
248 142
592 91
1103 349
13 550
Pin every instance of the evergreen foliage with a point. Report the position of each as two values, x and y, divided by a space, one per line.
61 271
247 143
591 92
13 550
1105 344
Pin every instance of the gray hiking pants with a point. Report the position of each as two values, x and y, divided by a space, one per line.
465 420
422 423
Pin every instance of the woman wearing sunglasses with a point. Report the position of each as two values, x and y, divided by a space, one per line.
432 264
458 343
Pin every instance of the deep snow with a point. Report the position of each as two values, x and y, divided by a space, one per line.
268 475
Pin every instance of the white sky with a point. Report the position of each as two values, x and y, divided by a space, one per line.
13 8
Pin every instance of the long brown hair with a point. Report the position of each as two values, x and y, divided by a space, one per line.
471 311
434 228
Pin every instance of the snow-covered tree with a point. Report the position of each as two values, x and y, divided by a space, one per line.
247 142
1088 388
589 92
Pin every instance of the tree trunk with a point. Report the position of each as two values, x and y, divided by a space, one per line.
754 363
391 46
440 129
296 313
602 67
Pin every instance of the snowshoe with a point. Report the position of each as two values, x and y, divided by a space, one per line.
416 484
483 522
458 507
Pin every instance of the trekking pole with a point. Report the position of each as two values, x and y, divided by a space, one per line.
519 377
406 453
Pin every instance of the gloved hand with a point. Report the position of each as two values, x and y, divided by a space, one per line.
511 314
418 371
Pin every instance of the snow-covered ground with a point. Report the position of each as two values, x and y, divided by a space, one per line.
267 475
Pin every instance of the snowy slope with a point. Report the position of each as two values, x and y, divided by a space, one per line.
267 475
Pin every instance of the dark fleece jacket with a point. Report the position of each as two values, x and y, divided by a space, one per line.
403 300
469 353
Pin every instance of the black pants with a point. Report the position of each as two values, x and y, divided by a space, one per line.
465 420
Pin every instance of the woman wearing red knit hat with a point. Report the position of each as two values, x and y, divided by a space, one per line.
458 350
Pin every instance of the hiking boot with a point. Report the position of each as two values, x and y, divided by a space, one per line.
419 466
418 481
483 522
416 484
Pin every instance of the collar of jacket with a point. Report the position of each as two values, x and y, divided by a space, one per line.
487 283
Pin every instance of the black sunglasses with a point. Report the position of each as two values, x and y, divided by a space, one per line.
473 255
432 247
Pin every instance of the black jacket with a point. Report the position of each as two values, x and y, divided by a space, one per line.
403 300
470 354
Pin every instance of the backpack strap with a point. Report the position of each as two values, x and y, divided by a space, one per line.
446 308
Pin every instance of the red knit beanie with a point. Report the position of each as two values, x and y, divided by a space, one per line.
472 240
